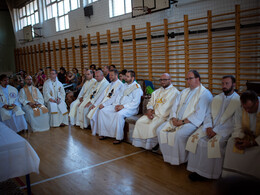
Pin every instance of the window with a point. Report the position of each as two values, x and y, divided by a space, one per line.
28 15
59 10
119 7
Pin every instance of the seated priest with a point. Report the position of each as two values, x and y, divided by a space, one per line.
158 110
36 114
54 98
107 98
11 113
187 114
243 148
111 119
207 145
85 92
95 91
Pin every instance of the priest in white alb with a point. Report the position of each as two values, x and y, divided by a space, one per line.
83 94
187 114
243 148
207 145
106 98
111 119
95 91
158 110
36 113
11 113
54 98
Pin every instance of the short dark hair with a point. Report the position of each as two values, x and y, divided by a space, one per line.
123 72
132 73
248 95
75 69
61 68
42 70
3 76
196 74
113 66
54 71
93 65
233 79
115 71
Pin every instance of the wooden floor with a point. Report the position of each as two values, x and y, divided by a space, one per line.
75 162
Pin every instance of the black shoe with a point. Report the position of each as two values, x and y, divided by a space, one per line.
62 125
196 177
102 137
117 142
155 148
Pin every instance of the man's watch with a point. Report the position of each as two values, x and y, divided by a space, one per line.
183 122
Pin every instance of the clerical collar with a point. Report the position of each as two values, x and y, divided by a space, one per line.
130 84
228 96
168 87
195 88
113 82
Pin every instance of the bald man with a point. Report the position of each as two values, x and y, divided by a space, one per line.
32 101
158 110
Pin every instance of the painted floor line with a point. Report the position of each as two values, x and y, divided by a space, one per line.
83 169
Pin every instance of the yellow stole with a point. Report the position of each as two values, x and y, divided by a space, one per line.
246 123
246 129
31 97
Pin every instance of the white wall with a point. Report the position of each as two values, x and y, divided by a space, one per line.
100 21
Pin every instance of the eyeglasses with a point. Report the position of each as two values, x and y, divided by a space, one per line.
163 80
190 78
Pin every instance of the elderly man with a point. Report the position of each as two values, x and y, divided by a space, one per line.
11 113
106 98
187 114
36 113
111 119
207 145
84 94
243 148
158 110
95 91
54 98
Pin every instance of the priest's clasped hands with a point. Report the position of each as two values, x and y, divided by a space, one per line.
118 107
9 107
150 114
33 105
210 133
176 122
58 100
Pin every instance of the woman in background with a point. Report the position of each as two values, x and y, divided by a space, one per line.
40 79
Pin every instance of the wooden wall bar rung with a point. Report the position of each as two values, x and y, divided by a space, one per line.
73 52
36 60
49 53
54 55
28 60
32 61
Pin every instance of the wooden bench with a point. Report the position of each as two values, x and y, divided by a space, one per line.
130 121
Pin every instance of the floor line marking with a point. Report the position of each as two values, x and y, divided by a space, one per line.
83 169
